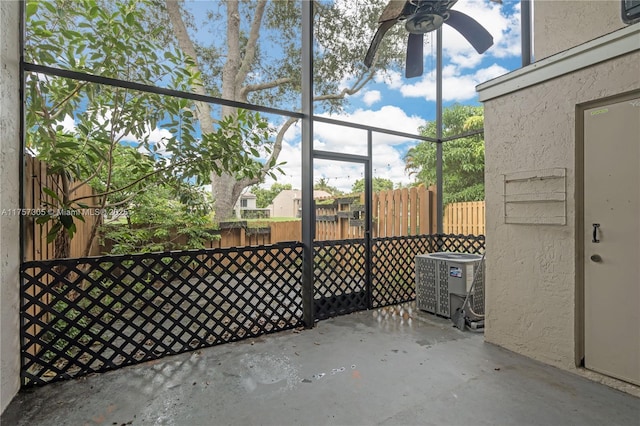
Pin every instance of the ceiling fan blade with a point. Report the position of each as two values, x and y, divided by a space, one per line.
393 10
377 38
415 59
475 33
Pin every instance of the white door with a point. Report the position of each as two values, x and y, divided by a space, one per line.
612 239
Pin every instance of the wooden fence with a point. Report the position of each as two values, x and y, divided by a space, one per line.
464 218
396 213
35 239
36 246
400 212
403 212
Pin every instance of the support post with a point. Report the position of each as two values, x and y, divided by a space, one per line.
525 31
368 213
439 177
308 210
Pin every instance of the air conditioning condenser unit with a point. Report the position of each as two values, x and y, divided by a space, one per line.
443 280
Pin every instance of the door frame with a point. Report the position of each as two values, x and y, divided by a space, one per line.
579 322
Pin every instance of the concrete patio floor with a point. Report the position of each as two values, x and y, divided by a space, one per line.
393 366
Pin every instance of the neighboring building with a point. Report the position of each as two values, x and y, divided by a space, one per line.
247 201
288 203
561 175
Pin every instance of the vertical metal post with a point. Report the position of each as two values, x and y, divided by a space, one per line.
21 167
439 177
21 176
525 31
308 220
368 213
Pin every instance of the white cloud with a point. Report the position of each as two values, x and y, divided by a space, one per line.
504 27
456 86
157 135
393 79
353 141
370 97
387 156
68 124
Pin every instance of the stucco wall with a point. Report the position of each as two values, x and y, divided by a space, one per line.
9 192
531 269
562 24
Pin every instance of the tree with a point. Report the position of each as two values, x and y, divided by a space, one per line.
128 40
264 197
237 68
463 159
379 184
156 221
323 185
112 39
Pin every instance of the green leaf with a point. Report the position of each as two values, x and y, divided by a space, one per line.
43 219
53 232
71 230
49 6
63 145
66 220
31 9
51 194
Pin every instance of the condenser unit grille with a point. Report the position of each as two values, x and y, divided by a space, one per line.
477 302
426 295
443 288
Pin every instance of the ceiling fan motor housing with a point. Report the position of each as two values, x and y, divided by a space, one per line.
422 23
423 16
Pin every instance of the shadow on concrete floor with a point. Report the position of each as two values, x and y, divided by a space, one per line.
390 366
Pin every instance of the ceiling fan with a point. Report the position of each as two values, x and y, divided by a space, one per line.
421 17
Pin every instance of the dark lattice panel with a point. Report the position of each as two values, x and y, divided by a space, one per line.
393 268
339 270
95 314
459 243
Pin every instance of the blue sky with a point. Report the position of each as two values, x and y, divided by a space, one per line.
392 101
404 104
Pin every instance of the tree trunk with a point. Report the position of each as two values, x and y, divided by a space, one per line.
223 190
62 243
227 188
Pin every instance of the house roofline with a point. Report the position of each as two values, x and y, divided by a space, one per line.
609 46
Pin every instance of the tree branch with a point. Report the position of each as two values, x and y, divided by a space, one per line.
52 111
262 86
277 147
87 180
135 182
252 43
347 91
203 109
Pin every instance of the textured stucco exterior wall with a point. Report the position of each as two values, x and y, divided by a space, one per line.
9 193
531 269
562 24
